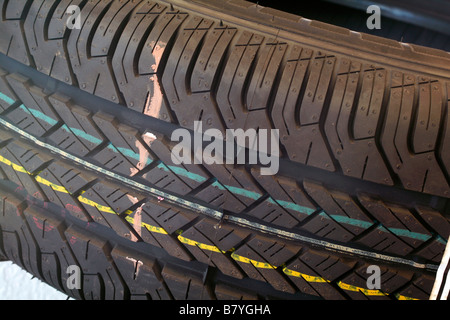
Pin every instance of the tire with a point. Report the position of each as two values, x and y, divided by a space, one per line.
88 178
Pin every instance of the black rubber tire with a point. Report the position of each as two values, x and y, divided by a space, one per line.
364 153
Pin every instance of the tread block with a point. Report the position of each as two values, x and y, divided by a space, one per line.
79 134
93 73
287 200
417 171
7 97
231 86
35 115
55 255
399 221
125 140
57 26
48 53
105 205
428 116
232 188
208 243
61 184
188 42
238 184
100 277
320 73
419 288
260 259
185 285
17 164
15 9
434 219
340 208
370 101
144 20
303 141
189 176
159 226
323 226
12 43
140 273
263 78
390 281
210 57
313 273
111 156
11 217
351 123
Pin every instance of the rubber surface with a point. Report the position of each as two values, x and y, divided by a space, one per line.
364 166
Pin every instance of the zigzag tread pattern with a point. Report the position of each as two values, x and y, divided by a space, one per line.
42 238
299 205
338 114
345 116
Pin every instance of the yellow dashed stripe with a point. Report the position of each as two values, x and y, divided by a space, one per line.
41 180
146 225
18 168
367 292
256 264
51 185
96 205
81 198
199 244
307 277
203 246
400 297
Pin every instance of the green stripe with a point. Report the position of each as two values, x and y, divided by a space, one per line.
235 190
7 99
